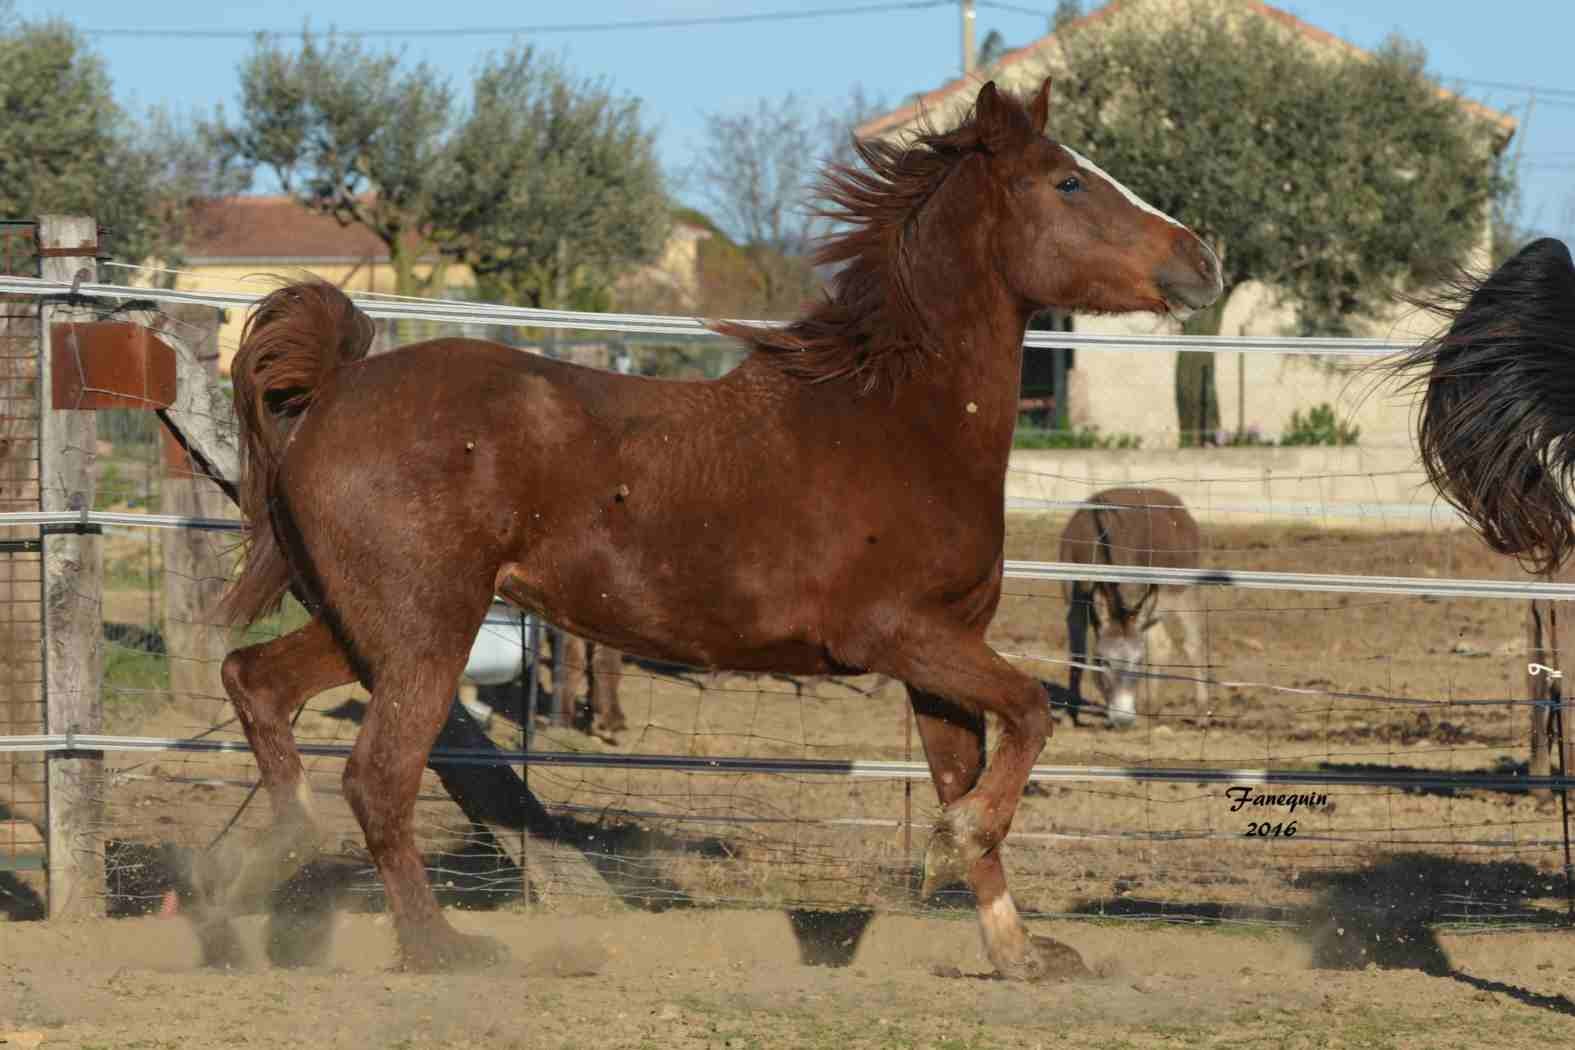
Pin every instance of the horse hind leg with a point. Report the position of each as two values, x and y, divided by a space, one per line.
412 694
607 717
266 684
953 741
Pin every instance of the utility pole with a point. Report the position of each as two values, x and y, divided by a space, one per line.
1520 146
968 20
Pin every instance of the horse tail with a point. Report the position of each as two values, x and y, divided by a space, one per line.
294 340
1497 428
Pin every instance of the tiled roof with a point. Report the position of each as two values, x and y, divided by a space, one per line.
256 228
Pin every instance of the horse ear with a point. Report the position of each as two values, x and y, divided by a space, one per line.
1039 108
997 129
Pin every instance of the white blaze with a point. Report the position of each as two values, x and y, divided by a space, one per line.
1138 202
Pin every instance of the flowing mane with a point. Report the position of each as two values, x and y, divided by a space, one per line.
868 326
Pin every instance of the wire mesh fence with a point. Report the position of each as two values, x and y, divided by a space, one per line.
21 573
1353 750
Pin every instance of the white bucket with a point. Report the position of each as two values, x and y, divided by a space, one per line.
497 655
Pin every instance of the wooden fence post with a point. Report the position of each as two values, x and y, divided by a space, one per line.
73 598
194 570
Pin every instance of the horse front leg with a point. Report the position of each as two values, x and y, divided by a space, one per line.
953 739
952 663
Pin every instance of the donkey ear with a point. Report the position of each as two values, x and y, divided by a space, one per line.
1146 606
997 128
1108 601
1039 108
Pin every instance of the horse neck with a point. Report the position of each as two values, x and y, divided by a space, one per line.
971 386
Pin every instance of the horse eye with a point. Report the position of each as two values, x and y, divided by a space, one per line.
1070 184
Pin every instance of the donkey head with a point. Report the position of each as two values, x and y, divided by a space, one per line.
1120 651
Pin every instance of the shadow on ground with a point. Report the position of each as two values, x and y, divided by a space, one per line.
1387 914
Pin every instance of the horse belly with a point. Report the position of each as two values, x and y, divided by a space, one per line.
689 619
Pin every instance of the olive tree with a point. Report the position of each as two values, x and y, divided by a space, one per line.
541 179
66 145
1335 177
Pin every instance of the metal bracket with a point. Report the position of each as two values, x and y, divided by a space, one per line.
81 251
60 528
71 528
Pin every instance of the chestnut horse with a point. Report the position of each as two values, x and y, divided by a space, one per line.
833 505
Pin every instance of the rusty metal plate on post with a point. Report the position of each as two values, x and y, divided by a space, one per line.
109 364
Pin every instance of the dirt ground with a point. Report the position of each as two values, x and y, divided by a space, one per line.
1200 934
735 980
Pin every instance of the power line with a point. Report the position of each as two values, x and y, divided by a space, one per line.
1015 9
526 30
1555 96
1540 89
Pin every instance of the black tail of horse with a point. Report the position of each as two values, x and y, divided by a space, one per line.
1497 430
296 337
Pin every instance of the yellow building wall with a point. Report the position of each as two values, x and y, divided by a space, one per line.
258 276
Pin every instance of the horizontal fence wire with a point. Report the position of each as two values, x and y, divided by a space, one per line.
460 312
1430 513
866 769
1019 570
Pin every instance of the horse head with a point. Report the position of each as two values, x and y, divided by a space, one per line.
1069 235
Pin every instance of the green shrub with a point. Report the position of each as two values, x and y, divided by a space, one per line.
1082 437
1318 427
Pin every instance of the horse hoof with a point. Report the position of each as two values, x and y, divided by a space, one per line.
219 943
300 935
948 859
448 951
1047 959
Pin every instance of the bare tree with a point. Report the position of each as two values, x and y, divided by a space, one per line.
838 122
180 166
756 169
1066 12
758 173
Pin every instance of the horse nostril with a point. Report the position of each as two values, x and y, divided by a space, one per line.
1191 274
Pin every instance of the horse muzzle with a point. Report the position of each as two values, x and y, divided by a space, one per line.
1190 277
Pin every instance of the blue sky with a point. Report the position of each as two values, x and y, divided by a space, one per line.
683 73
